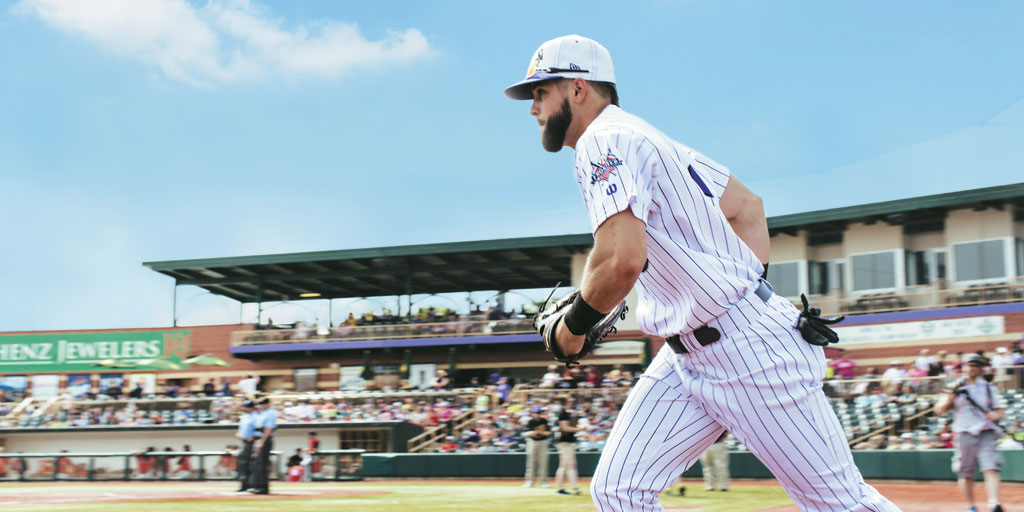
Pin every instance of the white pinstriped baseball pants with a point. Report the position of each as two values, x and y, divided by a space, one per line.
762 382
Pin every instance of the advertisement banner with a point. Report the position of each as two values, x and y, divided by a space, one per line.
421 375
350 378
13 387
79 385
45 386
920 331
69 352
111 383
620 348
147 380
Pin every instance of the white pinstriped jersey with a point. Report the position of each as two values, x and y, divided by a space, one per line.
697 265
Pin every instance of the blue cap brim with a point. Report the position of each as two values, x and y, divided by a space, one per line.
523 89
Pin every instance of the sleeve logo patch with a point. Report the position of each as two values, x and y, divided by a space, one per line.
604 168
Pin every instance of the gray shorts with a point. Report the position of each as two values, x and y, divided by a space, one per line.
974 452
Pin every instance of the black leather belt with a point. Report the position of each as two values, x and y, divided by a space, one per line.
707 335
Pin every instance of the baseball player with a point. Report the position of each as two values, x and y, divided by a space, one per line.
694 241
714 465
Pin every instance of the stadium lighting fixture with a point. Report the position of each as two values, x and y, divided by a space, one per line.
309 295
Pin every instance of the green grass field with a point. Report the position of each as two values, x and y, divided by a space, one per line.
385 496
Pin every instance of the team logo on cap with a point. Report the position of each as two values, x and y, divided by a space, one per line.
534 63
604 168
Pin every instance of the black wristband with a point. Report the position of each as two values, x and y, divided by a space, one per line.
764 275
581 316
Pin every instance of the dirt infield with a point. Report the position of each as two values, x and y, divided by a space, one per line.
910 496
921 496
129 492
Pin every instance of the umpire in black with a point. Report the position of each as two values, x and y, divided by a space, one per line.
246 434
977 409
265 423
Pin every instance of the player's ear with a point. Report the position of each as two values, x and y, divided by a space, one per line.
579 90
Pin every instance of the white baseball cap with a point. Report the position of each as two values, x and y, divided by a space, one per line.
570 56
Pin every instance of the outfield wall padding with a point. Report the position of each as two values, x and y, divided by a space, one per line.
874 464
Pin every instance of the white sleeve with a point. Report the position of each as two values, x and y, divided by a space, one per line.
614 174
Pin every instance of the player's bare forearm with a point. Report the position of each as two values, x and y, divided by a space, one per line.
745 213
614 265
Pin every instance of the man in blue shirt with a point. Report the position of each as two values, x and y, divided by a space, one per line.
266 423
247 434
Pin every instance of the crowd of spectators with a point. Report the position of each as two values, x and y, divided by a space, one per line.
501 429
926 374
584 377
436 321
1012 439
592 395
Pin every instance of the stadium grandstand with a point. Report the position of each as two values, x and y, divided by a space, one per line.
921 281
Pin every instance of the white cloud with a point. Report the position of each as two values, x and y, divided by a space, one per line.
224 40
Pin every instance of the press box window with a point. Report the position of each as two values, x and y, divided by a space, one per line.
925 267
1020 256
824 276
785 278
874 271
980 260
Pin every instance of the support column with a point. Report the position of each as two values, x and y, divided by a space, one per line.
174 305
259 302
408 293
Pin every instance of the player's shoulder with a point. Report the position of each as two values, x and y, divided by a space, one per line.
613 130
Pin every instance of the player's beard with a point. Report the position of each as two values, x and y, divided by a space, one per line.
555 128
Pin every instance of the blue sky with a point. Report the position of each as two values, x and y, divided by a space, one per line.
143 130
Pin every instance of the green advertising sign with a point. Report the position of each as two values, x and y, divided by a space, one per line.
77 352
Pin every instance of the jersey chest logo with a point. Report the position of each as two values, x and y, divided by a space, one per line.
604 168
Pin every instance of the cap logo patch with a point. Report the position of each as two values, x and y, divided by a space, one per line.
535 63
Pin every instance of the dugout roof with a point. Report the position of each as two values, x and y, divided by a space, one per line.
508 264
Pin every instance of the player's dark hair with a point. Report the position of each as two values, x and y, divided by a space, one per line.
606 89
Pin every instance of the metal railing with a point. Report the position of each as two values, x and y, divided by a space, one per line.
160 466
912 298
532 392
933 296
457 328
434 435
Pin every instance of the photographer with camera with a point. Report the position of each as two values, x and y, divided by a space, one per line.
977 409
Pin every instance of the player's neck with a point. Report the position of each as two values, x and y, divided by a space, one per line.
581 121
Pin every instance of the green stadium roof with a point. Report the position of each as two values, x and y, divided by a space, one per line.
505 264
915 211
